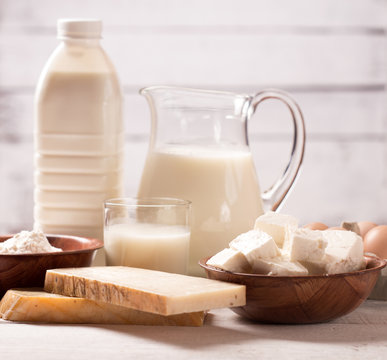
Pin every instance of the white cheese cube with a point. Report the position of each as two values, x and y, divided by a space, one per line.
278 226
314 268
307 245
278 266
344 252
255 244
230 260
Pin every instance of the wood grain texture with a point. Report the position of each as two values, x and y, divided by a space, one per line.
338 115
330 55
340 180
215 60
29 270
318 13
301 299
357 336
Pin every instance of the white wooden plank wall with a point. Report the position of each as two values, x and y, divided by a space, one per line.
331 56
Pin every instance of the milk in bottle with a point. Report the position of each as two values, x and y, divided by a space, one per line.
78 134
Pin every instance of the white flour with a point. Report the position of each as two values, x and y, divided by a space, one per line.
27 242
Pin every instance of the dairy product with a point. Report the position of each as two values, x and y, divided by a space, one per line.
314 268
149 246
230 260
38 306
278 226
221 183
78 160
79 134
279 266
145 290
307 245
304 251
255 244
344 252
27 242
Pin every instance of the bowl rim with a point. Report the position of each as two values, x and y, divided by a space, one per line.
95 245
381 264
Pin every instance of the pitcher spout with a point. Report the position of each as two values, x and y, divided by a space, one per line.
184 115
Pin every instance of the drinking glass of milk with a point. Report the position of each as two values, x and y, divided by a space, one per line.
149 233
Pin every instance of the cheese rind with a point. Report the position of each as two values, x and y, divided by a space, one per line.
230 260
279 266
255 244
145 290
278 226
35 305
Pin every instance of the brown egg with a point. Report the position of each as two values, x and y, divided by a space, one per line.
337 228
375 241
365 226
316 226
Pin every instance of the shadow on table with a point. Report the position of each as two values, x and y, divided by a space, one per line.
184 336
334 332
239 331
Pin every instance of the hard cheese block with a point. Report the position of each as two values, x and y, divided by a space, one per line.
146 290
34 305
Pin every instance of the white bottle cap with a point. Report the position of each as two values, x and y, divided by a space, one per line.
79 28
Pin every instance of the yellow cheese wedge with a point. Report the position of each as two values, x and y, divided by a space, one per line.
146 290
34 305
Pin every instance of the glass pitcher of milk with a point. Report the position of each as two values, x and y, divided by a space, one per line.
199 152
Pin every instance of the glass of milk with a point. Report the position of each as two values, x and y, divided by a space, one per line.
149 233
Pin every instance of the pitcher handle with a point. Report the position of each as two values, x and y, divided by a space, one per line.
274 196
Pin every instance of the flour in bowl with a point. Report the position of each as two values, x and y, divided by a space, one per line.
27 242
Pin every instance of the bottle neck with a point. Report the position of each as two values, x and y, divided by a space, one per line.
84 42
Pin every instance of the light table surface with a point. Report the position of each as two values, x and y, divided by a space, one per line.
359 335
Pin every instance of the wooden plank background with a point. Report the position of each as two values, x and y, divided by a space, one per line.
330 55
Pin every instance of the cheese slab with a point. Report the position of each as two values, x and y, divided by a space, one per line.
35 305
145 290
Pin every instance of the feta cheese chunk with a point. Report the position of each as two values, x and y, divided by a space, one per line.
344 252
230 260
255 244
278 226
307 245
278 266
314 268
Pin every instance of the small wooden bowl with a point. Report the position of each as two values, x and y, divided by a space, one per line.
301 299
29 270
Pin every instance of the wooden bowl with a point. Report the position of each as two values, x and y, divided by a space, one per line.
29 270
301 299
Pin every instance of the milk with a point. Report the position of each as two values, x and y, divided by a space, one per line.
222 185
79 154
78 135
149 246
